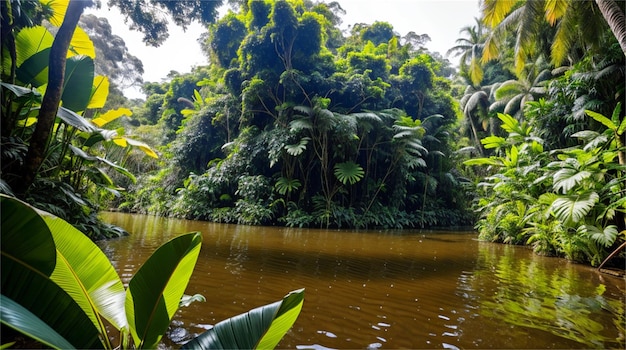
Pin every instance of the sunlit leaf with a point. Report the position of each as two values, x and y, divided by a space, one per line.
572 209
601 119
494 11
111 115
27 255
31 40
154 292
99 92
120 141
142 146
493 142
59 7
34 70
81 44
260 328
555 9
91 274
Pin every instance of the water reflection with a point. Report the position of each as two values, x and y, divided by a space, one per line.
528 293
384 289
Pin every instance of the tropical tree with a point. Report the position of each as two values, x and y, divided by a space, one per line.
470 49
512 95
528 20
613 13
52 97
151 18
73 164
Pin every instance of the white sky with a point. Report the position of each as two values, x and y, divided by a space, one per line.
440 19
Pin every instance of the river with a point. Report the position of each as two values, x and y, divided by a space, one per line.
385 289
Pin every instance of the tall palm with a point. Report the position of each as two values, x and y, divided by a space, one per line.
613 13
471 49
574 23
475 103
512 95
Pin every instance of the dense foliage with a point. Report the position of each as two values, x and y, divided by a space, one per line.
550 133
295 124
60 159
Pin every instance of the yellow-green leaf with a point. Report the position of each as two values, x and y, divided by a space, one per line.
144 147
99 92
494 11
555 9
59 7
31 40
120 141
81 44
111 115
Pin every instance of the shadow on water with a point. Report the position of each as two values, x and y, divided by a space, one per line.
370 289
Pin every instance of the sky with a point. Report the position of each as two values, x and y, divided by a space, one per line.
442 20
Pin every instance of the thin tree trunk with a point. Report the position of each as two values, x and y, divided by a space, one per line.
613 13
52 97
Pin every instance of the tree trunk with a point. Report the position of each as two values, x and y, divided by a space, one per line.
52 97
613 13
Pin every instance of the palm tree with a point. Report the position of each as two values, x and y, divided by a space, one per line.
613 13
475 103
512 95
471 49
574 23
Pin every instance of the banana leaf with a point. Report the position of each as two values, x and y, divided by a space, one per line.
34 70
26 237
86 274
79 75
154 292
25 269
260 328
17 317
75 120
99 92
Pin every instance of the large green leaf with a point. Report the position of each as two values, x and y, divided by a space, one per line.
602 119
34 71
25 274
86 274
19 318
349 172
75 120
572 209
49 302
30 41
154 293
25 237
79 74
260 328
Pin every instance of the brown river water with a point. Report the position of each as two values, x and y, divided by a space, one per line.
385 289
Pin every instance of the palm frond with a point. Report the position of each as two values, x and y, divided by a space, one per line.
554 10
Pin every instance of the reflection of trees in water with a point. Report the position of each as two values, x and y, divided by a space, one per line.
529 291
